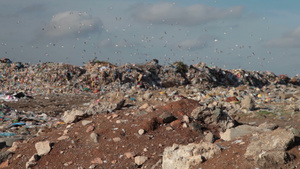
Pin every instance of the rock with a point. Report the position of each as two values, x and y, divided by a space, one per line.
269 126
209 137
97 160
186 156
14 147
73 116
94 137
247 103
129 155
150 124
105 107
239 131
32 161
157 165
86 122
4 164
272 159
149 109
147 95
4 156
144 106
90 129
176 124
42 147
116 139
167 117
276 140
140 160
196 113
141 131
197 127
186 119
63 138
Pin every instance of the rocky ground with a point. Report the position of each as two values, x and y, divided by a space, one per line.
183 127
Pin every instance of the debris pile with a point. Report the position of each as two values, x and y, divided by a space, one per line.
103 77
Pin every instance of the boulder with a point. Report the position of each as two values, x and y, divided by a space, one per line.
186 156
43 147
273 159
105 107
140 160
248 103
276 140
239 131
74 116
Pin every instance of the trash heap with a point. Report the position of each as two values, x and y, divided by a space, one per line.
97 76
19 125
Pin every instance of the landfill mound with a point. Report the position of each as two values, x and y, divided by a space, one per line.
56 115
97 76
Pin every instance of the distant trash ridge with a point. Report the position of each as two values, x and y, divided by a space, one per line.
100 77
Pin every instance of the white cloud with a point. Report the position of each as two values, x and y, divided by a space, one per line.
290 40
72 23
192 44
169 13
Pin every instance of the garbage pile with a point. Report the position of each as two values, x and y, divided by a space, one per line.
18 125
101 77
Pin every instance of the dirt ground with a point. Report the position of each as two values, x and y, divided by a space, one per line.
119 140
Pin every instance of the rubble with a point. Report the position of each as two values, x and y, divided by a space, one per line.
188 113
179 156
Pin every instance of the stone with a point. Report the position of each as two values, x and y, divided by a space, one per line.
116 139
94 137
196 113
129 155
197 127
14 147
73 116
150 124
90 129
275 140
42 147
32 161
86 122
239 131
63 138
144 106
176 124
186 156
269 126
271 159
247 103
4 164
167 117
147 95
4 156
97 160
149 109
141 131
105 107
140 160
186 119
209 137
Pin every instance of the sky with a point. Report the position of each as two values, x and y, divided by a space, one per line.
251 35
